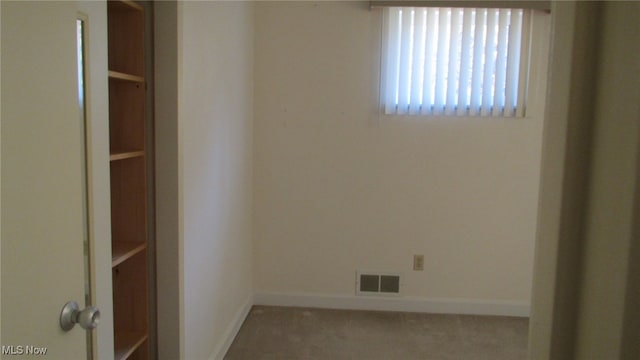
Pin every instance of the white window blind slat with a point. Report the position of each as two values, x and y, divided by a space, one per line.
501 62
392 19
488 80
523 67
513 63
417 76
478 62
426 106
442 61
405 68
452 61
466 59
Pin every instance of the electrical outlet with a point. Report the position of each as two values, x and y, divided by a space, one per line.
418 262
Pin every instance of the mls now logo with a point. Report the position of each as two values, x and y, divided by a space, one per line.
23 350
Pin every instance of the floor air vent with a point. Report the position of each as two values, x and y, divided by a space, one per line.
371 283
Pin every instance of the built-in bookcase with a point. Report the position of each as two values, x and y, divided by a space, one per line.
127 138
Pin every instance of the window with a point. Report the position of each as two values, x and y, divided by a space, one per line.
454 61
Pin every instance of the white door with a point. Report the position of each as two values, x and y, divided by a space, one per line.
45 176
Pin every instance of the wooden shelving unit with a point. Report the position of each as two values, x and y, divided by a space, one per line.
127 136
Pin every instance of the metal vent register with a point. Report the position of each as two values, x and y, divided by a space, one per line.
369 283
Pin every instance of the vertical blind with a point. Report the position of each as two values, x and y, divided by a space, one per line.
452 61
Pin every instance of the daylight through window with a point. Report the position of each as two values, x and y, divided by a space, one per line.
453 61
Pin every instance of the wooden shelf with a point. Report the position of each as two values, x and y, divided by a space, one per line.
128 342
125 77
121 251
126 155
128 4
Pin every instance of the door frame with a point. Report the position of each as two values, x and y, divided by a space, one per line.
98 172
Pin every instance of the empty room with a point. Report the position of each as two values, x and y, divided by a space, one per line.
320 179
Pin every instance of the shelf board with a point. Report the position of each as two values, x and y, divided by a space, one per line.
125 77
132 4
125 5
126 155
121 251
127 342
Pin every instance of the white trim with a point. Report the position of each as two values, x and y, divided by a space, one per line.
232 330
404 304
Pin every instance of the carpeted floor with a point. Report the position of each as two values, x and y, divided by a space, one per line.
302 333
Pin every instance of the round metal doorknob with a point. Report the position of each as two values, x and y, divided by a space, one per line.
71 315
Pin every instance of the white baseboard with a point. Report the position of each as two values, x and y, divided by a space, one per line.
232 330
405 304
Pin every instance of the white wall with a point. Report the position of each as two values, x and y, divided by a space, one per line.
336 188
215 120
212 135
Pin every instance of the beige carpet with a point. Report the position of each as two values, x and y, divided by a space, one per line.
302 333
